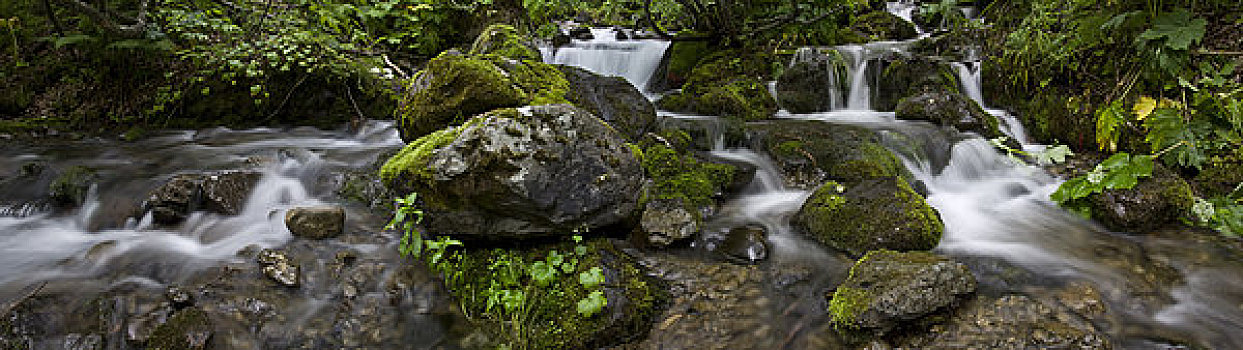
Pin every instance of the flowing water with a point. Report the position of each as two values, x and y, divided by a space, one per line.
634 59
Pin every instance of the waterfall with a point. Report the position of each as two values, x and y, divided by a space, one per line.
635 60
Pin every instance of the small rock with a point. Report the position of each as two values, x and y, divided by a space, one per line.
745 244
187 329
667 222
278 268
581 33
98 251
315 222
180 298
886 288
75 341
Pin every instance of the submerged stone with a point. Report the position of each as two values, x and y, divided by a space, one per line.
882 213
887 288
189 328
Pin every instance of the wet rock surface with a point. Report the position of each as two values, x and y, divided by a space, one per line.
872 214
949 109
221 193
811 152
1153 202
1011 322
611 99
887 288
666 222
315 222
803 87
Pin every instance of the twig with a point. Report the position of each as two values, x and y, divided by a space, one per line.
13 304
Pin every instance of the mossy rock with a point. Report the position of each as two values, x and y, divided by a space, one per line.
909 76
729 84
186 329
503 40
805 86
679 61
71 187
452 88
512 173
886 288
882 213
949 109
1219 178
1154 202
811 152
703 134
682 178
882 25
550 318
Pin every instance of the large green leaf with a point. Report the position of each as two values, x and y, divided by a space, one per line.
1178 29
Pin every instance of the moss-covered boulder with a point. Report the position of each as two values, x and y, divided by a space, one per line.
503 40
450 89
729 84
1156 201
509 173
908 76
612 99
882 25
949 109
882 213
811 152
680 177
812 83
887 288
678 63
71 187
549 316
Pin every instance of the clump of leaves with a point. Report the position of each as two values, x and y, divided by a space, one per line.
1120 171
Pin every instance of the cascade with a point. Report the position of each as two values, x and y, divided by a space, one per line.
634 59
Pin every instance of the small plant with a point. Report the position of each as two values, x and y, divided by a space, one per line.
1120 171
406 218
1055 154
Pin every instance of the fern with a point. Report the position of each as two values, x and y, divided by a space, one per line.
1109 121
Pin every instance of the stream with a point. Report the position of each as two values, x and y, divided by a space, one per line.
107 261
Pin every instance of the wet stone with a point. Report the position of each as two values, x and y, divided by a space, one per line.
315 222
667 222
75 341
745 244
278 267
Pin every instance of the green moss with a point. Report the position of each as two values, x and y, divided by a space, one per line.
542 83
451 89
683 56
847 304
882 25
844 153
728 83
549 319
503 40
413 159
871 214
71 186
681 177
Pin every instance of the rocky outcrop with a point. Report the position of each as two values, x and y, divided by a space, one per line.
909 76
949 109
222 193
881 213
517 172
887 288
612 99
315 222
805 86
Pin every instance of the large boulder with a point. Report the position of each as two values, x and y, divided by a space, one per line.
222 193
503 40
812 82
451 88
518 172
888 288
728 83
882 25
1159 200
882 213
949 109
678 63
612 99
811 152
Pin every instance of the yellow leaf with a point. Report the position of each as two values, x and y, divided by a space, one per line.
1144 107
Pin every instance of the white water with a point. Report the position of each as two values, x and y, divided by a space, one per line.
635 60
47 246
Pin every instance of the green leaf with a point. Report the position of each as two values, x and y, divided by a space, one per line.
1108 123
591 278
1178 28
592 304
1054 155
542 273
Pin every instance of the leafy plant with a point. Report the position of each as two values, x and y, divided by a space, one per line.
1055 154
406 219
1120 171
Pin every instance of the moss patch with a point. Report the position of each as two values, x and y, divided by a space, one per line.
503 40
681 177
187 329
847 304
871 214
411 162
728 83
454 87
